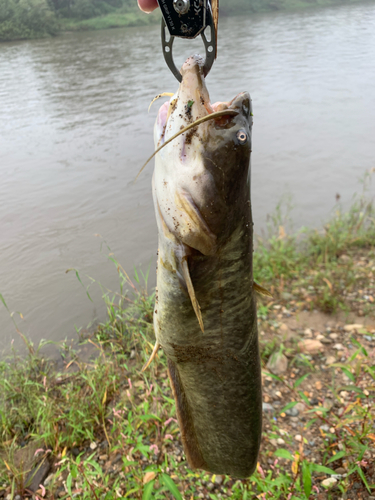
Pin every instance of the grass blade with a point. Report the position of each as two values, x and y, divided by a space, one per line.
282 453
306 476
147 490
169 483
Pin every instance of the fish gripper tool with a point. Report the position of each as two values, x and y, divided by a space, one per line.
188 19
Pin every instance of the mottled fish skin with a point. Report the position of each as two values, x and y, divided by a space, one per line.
201 190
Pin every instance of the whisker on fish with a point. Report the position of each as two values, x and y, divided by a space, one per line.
163 94
213 116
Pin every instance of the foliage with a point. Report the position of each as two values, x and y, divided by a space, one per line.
86 9
116 19
107 411
132 415
24 19
243 7
21 19
353 228
317 264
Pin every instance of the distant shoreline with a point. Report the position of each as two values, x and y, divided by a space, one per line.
12 29
227 8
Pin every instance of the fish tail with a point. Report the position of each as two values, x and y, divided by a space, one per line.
188 435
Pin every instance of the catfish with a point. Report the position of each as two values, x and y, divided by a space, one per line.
205 309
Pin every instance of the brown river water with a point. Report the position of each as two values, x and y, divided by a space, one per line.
74 131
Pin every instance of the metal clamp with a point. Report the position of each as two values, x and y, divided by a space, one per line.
188 19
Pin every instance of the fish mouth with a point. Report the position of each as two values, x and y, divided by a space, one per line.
191 104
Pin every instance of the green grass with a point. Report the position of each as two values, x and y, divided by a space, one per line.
129 414
25 19
111 402
241 7
37 19
318 260
119 18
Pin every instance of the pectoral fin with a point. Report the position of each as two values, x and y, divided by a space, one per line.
262 291
192 229
193 298
153 354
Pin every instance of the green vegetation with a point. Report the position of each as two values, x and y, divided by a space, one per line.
86 9
317 266
240 7
102 429
26 19
23 19
116 19
102 14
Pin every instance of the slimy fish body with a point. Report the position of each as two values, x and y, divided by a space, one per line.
205 310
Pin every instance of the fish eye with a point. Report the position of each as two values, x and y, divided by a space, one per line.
242 137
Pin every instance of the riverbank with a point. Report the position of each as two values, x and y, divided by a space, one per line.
120 19
241 7
117 19
95 426
40 18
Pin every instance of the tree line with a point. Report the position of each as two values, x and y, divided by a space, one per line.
20 19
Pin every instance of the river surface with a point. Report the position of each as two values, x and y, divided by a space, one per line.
74 132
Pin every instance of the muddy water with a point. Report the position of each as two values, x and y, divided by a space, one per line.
74 131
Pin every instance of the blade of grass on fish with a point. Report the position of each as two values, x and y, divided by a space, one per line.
212 116
163 94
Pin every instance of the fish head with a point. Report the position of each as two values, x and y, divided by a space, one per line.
190 103
207 165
